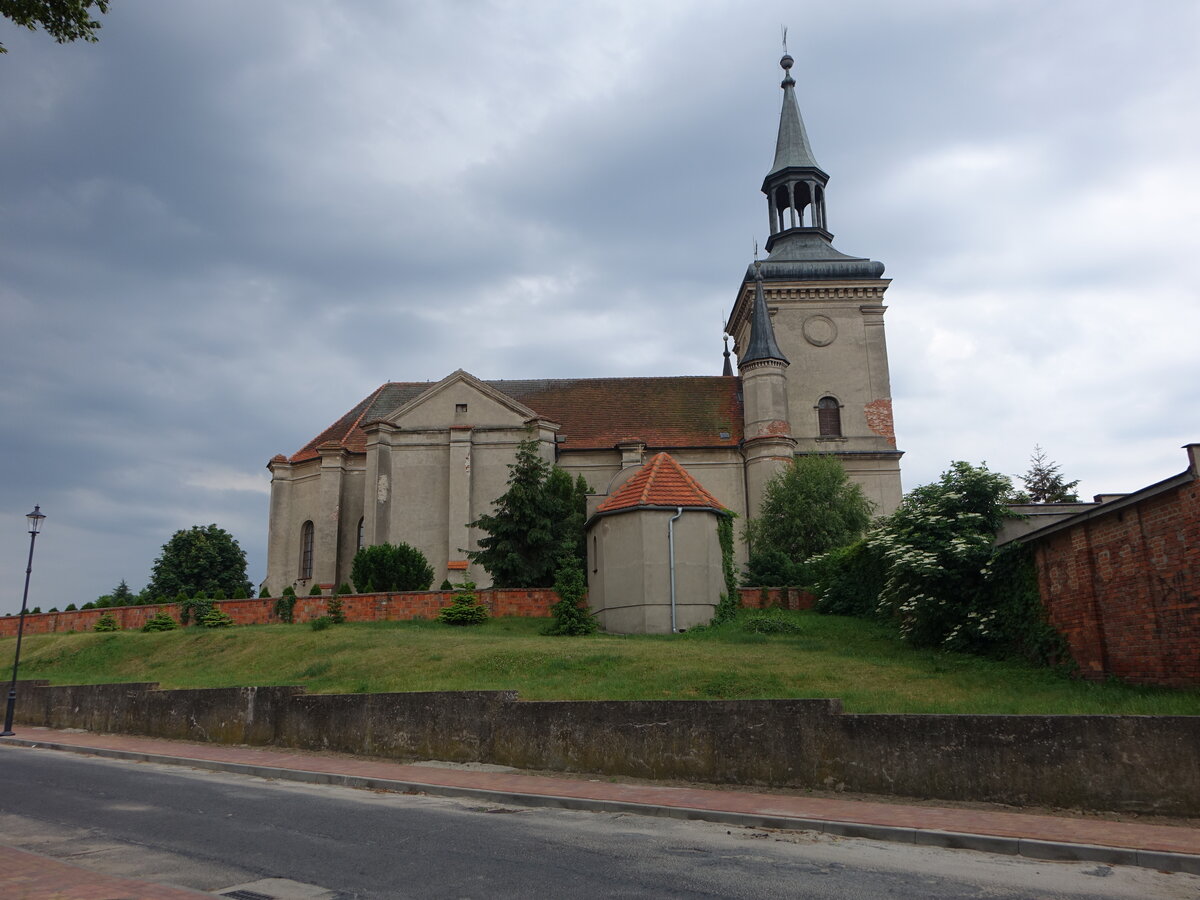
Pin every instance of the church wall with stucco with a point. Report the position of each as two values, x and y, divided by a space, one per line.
416 462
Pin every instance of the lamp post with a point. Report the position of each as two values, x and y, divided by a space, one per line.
35 525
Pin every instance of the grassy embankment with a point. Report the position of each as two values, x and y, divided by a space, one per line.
861 663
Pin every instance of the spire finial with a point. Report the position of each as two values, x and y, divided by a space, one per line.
727 369
786 61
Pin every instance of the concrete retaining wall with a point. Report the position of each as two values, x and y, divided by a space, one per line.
1132 763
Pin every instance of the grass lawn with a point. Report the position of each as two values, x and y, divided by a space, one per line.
860 662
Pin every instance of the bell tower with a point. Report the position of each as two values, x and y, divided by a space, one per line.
824 312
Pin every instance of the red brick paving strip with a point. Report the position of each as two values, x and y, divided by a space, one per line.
1132 835
31 876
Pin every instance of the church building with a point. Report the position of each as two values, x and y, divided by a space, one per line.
416 462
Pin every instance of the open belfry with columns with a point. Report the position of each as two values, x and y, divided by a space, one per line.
415 462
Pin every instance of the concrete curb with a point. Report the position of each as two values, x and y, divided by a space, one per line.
1058 851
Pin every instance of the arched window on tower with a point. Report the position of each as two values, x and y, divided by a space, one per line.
306 550
829 417
361 533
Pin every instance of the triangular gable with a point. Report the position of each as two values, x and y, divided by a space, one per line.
436 405
662 482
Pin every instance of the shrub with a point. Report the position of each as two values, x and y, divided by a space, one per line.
216 618
336 614
344 588
160 622
445 585
265 593
388 567
36 611
321 623
194 609
571 614
285 605
315 591
848 581
770 621
107 622
89 605
218 593
70 607
465 609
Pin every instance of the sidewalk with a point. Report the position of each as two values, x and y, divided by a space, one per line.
1040 836
31 876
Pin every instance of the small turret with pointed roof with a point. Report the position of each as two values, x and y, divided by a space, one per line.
762 344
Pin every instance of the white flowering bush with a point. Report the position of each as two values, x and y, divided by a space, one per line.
936 548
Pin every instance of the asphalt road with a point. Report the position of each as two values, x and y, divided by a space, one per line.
212 832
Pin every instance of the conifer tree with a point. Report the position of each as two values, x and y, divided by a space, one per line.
1044 482
533 524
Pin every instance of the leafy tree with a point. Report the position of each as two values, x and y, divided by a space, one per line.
535 525
391 567
1044 482
63 20
199 559
807 509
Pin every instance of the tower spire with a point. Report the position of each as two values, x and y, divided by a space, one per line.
792 147
795 186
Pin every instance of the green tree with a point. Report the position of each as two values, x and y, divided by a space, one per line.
937 547
202 558
571 613
1044 483
391 567
535 525
807 509
63 20
123 596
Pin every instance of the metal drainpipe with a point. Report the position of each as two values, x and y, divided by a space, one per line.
671 543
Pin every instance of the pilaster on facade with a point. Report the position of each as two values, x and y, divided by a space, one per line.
377 505
459 506
327 526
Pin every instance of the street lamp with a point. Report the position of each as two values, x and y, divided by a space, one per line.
35 525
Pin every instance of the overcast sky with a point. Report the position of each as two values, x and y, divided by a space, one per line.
227 222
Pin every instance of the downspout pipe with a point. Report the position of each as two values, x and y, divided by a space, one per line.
671 547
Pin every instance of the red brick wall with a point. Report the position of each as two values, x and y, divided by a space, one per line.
534 603
1124 587
783 598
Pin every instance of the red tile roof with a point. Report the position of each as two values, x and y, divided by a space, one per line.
661 482
594 413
